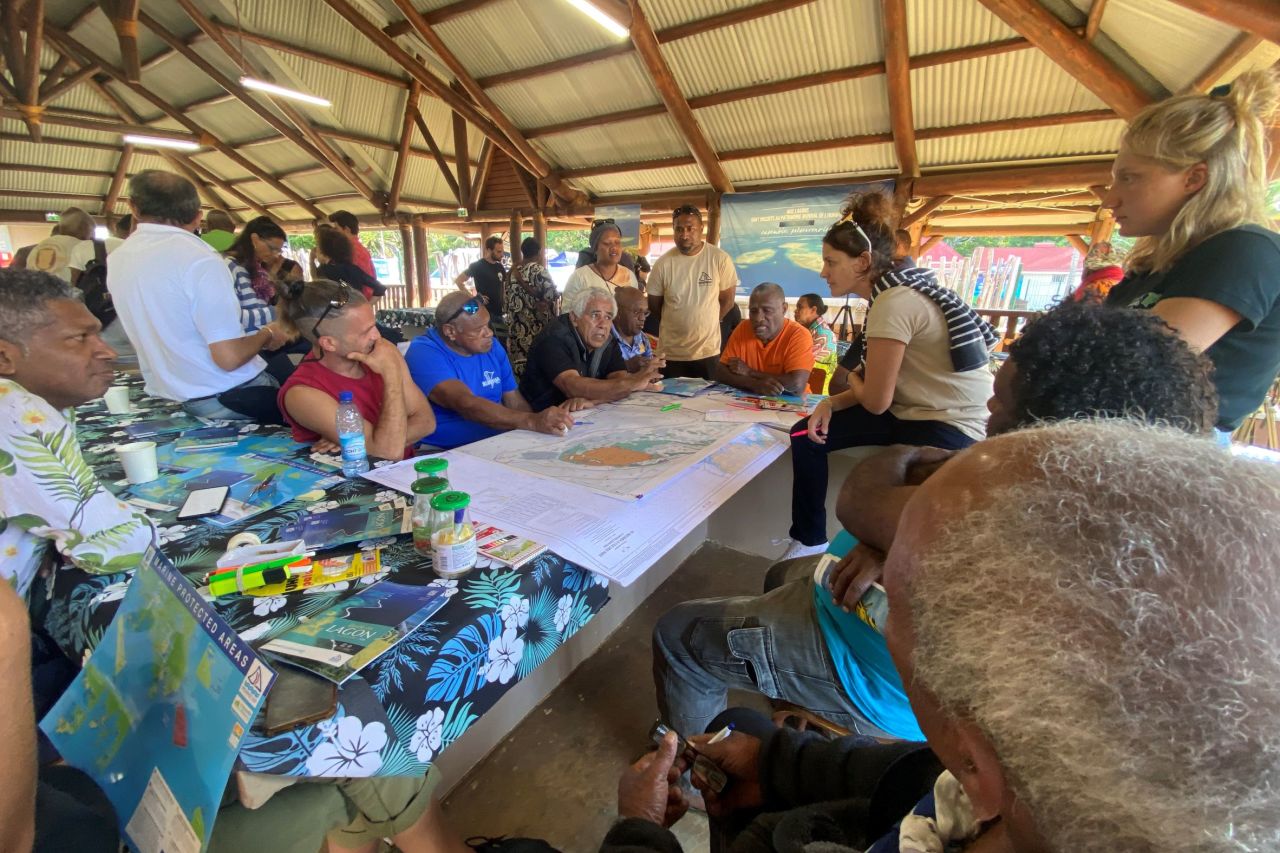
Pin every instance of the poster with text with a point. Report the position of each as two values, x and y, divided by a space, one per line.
627 218
777 235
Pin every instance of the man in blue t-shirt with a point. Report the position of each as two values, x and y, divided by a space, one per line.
467 378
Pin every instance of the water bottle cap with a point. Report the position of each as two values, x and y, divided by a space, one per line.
345 397
451 501
429 485
432 466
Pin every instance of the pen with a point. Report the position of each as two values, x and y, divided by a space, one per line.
263 485
219 574
800 432
721 735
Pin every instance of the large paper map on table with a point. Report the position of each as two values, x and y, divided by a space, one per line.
158 712
622 451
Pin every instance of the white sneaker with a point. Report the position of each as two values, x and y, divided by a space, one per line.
799 549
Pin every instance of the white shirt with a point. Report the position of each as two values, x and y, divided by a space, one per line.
586 276
175 296
690 287
83 252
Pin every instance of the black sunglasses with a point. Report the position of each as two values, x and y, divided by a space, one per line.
340 301
471 308
596 223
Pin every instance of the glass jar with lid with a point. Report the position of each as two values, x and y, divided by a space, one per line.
453 539
424 489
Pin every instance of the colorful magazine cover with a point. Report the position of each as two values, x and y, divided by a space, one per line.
339 642
158 712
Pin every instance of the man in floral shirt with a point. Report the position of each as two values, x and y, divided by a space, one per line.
51 360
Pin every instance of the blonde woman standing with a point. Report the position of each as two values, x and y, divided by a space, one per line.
1190 183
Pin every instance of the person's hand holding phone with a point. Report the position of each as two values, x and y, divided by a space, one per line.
855 574
738 755
650 789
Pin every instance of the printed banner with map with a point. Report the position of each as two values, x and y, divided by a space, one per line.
777 235
158 712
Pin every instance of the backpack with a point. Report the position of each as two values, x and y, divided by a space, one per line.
93 285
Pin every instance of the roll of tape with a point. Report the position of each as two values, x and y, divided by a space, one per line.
242 539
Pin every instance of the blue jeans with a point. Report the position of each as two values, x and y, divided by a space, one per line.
254 400
771 644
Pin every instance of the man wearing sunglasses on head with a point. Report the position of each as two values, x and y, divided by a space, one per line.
348 354
577 356
465 373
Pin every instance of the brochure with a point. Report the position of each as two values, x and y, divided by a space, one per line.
507 548
206 438
323 530
339 642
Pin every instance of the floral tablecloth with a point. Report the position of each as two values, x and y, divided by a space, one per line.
402 711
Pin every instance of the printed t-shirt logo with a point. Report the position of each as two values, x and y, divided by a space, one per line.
490 378
704 280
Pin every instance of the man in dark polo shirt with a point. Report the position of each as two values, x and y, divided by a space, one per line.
489 276
577 356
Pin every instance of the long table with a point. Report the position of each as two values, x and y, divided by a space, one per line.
411 703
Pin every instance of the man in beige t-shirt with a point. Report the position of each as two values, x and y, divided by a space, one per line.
691 288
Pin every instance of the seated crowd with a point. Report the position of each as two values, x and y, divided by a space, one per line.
1078 647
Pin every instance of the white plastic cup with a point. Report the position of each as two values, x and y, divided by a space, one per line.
139 461
117 399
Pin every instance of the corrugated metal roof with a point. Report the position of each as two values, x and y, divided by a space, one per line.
835 162
1162 37
669 13
849 108
683 177
995 87
1097 139
934 25
834 33
625 142
620 83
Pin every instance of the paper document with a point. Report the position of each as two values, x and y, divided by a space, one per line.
753 416
617 538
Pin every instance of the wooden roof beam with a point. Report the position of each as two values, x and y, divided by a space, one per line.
482 176
462 159
438 16
102 125
944 217
311 54
53 170
665 82
441 161
923 211
117 181
1077 57
791 84
1013 179
438 87
529 154
1251 16
53 89
402 156
305 137
54 140
1240 47
123 15
664 36
897 66
66 42
23 59
1055 230
1094 22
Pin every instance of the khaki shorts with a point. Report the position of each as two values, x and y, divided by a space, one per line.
349 812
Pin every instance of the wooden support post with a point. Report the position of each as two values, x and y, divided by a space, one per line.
898 77
408 266
902 192
1078 242
540 230
117 182
514 238
486 231
422 262
461 159
482 175
713 220
402 156
438 156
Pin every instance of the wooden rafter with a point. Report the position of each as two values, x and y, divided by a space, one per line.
665 82
1076 56
35 41
1077 240
117 182
308 53
664 36
530 155
437 155
1252 16
455 101
67 43
482 175
1240 47
123 15
462 159
439 16
1067 175
1094 23
944 217
57 88
1055 230
85 122
923 211
897 66
301 133
23 59
790 84
402 156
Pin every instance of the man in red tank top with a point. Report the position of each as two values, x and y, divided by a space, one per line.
353 357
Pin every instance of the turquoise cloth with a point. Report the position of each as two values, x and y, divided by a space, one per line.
862 662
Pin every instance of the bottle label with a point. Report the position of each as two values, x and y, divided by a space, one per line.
352 447
453 550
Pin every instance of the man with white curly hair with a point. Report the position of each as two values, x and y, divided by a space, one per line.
577 356
1086 617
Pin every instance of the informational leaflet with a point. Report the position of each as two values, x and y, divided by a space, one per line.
158 712
619 539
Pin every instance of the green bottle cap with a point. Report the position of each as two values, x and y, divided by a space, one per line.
429 485
451 501
432 466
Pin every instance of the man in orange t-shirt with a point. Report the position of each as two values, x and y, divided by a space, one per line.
767 353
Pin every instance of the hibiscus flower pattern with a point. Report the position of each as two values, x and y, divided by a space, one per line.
504 656
352 750
427 735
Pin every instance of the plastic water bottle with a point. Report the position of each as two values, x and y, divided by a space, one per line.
355 461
